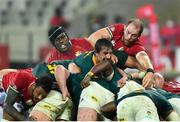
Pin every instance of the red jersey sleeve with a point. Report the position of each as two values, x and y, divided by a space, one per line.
116 29
83 43
22 80
136 48
172 86
52 55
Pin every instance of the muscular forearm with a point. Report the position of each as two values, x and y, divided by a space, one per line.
144 60
138 75
132 62
102 33
122 72
93 38
61 75
101 67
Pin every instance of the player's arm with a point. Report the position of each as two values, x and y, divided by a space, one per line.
6 71
131 62
99 34
61 75
73 68
12 95
96 69
145 62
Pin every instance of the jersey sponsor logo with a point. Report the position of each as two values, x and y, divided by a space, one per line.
148 116
121 119
50 108
94 98
81 100
78 53
29 102
113 42
121 48
51 68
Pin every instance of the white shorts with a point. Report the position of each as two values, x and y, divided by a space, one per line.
175 102
137 108
54 107
94 96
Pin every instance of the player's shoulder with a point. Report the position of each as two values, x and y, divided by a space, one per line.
53 51
116 28
137 44
78 40
87 54
117 25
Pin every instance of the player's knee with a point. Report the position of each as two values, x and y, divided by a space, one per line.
38 116
85 114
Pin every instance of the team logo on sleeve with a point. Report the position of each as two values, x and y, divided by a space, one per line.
78 53
29 102
113 42
14 86
51 68
121 48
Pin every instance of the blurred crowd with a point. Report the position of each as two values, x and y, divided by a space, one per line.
169 41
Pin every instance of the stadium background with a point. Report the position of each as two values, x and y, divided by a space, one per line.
24 25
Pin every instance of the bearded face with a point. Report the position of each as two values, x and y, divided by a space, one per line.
131 34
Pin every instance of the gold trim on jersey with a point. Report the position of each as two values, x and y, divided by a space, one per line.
94 60
87 54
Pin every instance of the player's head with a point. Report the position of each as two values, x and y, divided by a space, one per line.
159 80
59 39
132 31
103 49
42 87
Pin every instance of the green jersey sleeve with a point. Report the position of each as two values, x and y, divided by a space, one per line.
84 62
122 58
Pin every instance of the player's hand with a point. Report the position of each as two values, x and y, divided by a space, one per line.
122 81
114 59
65 94
85 82
148 81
